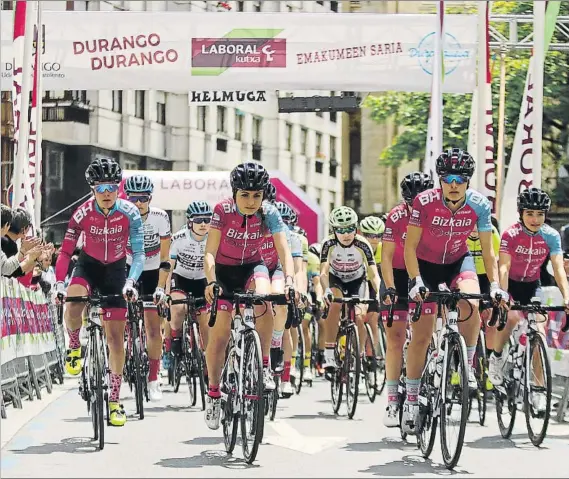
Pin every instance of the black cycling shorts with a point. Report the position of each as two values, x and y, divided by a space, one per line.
103 278
195 287
357 287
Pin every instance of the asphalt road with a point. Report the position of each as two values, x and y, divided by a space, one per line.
306 440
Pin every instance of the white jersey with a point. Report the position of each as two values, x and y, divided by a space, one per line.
189 254
156 228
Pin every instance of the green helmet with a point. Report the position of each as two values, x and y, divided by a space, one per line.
372 225
343 217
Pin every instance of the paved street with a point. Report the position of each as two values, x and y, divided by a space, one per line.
307 440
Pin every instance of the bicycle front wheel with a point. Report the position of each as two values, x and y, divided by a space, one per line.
537 393
299 363
138 379
370 369
188 361
352 369
454 406
97 390
252 400
199 362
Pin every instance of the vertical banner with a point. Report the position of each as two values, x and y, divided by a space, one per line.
483 150
435 123
520 169
37 100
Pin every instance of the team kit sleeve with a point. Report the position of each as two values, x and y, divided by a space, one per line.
326 248
553 240
295 245
273 220
136 237
218 218
165 231
174 247
389 233
483 209
506 242
418 214
70 239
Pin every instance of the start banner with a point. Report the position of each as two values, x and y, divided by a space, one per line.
185 51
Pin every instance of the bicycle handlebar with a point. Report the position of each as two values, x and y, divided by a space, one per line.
250 299
350 300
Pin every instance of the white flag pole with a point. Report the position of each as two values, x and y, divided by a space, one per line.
39 123
538 65
481 96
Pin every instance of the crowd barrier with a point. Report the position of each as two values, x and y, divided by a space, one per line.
558 350
32 344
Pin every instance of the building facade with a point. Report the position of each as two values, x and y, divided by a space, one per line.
160 130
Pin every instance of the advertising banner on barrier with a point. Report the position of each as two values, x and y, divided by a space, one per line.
25 324
174 190
181 51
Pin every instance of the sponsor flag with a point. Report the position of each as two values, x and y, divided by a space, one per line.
522 161
435 122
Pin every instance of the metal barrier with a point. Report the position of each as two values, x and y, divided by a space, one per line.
32 345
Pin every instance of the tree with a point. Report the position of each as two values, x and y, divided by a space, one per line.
410 110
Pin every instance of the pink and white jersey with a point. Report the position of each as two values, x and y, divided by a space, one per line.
445 233
529 250
242 237
396 232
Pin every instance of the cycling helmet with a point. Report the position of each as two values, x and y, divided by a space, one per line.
299 230
343 217
455 161
198 208
284 210
372 225
249 176
271 193
315 248
415 183
103 170
138 184
533 199
294 217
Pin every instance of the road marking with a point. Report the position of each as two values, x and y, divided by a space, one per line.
288 437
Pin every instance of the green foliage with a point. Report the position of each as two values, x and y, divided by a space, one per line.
409 111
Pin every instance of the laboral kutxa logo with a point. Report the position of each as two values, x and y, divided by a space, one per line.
240 48
454 53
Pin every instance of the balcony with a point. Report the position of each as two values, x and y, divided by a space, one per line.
67 111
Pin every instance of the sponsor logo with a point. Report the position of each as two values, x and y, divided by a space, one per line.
429 196
212 56
228 96
243 235
452 222
454 53
531 251
113 230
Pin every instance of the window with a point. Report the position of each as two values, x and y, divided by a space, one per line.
54 169
289 7
257 150
318 166
202 117
333 116
320 2
221 144
117 101
69 5
257 7
161 113
303 140
333 170
240 6
139 104
288 137
332 148
320 114
318 143
334 6
257 126
6 5
238 124
221 117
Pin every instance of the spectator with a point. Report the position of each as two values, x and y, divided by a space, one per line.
11 261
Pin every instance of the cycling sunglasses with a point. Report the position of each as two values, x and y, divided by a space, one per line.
110 187
458 179
202 220
372 236
142 199
345 231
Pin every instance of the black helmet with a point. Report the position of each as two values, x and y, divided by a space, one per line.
415 183
533 199
103 170
271 193
249 176
455 161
